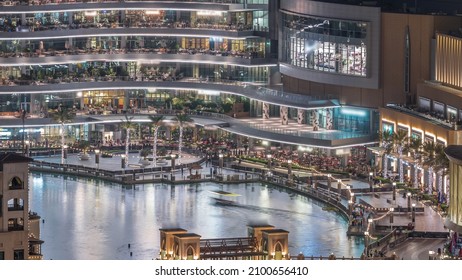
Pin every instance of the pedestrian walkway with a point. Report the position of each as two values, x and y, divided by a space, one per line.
427 221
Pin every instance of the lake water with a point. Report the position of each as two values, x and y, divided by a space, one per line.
90 219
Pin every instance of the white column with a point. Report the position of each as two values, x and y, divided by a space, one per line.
315 120
284 114
265 111
329 119
300 116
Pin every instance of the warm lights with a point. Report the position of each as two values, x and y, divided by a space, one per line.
209 13
90 13
152 12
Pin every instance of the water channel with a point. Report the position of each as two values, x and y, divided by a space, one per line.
91 219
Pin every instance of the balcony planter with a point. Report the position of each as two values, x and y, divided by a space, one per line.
144 162
84 156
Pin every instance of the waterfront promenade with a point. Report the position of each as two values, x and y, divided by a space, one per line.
194 168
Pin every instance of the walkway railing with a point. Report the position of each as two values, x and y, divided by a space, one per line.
422 115
141 174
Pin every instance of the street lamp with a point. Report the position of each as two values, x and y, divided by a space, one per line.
391 217
220 162
269 161
371 189
27 149
369 225
97 158
409 202
339 187
122 161
173 157
394 192
65 151
366 243
413 213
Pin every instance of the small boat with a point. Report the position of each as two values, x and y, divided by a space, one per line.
224 202
219 192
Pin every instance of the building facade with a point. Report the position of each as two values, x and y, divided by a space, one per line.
19 228
323 64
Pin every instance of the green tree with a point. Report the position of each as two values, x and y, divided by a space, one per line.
181 119
400 140
386 141
429 160
62 116
155 123
128 125
414 146
441 166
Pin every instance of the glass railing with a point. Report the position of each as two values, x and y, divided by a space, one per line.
146 24
427 115
322 135
77 51
54 2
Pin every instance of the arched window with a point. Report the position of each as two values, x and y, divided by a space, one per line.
190 253
278 247
278 251
15 184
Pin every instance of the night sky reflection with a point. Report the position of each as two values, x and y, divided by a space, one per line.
88 219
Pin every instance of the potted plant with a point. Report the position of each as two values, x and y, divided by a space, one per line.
144 157
84 146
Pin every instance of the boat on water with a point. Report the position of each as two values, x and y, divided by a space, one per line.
223 193
225 202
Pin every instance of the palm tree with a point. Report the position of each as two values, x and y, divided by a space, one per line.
429 151
23 119
63 115
441 165
386 139
400 139
415 146
155 123
128 125
181 119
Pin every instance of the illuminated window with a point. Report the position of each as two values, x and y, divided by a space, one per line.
327 45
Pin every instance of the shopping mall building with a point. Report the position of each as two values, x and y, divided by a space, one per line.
315 74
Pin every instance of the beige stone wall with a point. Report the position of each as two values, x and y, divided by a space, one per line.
14 240
452 137
455 205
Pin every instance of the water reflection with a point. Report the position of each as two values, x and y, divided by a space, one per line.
87 219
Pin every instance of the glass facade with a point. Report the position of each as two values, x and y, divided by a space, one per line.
352 120
328 45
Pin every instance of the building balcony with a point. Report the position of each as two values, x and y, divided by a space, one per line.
248 90
150 31
41 6
140 55
431 117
